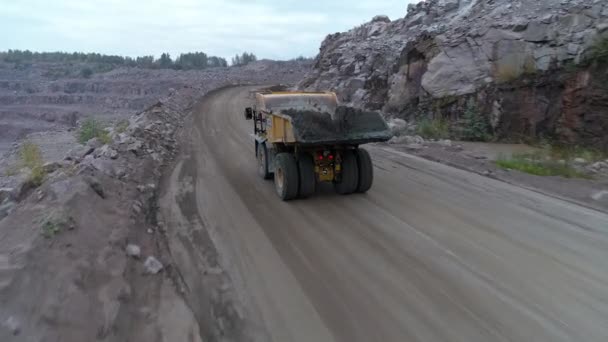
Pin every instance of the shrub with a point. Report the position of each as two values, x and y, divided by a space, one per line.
86 72
122 125
507 73
437 128
599 51
31 157
92 128
475 126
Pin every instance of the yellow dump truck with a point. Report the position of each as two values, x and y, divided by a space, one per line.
304 138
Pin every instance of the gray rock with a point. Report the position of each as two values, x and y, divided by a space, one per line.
599 195
106 151
538 32
397 126
579 161
446 143
7 194
94 143
6 208
152 265
599 166
12 325
79 152
449 5
381 18
51 167
135 147
133 251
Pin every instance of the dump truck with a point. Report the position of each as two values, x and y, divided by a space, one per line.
305 138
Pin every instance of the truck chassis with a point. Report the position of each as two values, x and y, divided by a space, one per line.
298 166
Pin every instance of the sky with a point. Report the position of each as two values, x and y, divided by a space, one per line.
275 29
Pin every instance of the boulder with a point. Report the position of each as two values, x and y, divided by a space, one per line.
538 32
7 194
133 251
381 18
106 151
77 153
94 143
51 167
152 265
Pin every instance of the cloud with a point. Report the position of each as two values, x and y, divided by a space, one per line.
270 29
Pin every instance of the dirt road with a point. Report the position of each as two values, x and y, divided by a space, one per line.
431 253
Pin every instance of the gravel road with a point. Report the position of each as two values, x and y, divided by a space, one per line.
431 253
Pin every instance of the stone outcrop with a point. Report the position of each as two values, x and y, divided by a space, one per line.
526 66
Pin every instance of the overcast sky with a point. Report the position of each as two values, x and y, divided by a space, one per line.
278 29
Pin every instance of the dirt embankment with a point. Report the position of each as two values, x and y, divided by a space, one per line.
82 257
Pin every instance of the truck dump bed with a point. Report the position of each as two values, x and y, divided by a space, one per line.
316 118
346 125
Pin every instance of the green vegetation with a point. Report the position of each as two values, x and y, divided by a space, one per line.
122 125
185 61
569 153
599 51
31 158
529 67
86 72
475 127
532 164
92 128
243 59
437 128
50 229
506 73
302 59
552 161
55 223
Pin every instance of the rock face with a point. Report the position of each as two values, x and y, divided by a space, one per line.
526 66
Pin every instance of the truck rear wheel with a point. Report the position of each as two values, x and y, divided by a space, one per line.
286 179
366 170
262 156
350 174
306 168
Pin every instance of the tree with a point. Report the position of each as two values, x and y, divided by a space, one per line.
243 59
165 61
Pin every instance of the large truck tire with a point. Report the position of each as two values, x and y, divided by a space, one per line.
306 168
262 156
350 174
286 178
366 170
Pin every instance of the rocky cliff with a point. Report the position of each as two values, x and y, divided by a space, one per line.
529 69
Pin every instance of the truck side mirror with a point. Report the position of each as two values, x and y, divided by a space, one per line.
248 113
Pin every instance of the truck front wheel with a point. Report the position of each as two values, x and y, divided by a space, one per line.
262 156
286 179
